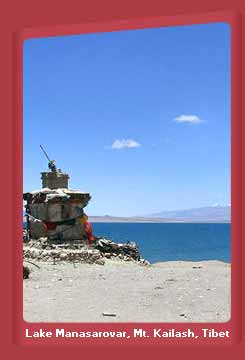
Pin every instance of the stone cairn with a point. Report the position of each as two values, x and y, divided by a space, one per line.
55 232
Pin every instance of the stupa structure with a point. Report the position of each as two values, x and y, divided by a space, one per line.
55 211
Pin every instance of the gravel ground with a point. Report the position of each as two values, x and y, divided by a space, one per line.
127 292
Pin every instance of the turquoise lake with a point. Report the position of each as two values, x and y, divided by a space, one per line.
172 241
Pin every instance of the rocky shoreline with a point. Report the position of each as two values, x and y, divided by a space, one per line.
76 252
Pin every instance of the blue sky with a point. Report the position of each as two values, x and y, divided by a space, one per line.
140 119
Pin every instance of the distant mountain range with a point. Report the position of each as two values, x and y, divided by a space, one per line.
203 214
207 213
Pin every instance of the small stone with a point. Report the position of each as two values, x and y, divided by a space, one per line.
100 262
26 272
96 256
126 258
63 256
108 314
144 262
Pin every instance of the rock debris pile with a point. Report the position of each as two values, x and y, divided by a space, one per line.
44 250
123 251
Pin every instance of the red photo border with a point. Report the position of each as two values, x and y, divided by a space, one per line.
24 20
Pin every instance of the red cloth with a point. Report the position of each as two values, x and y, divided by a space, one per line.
88 231
50 225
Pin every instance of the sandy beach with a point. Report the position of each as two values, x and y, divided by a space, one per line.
128 292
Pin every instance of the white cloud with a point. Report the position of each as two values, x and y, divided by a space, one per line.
124 143
191 119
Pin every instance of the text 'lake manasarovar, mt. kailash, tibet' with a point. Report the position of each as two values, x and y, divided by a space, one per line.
157 333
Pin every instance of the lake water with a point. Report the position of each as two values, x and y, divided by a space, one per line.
175 241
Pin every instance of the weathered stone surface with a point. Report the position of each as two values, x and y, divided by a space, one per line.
37 229
55 210
54 179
